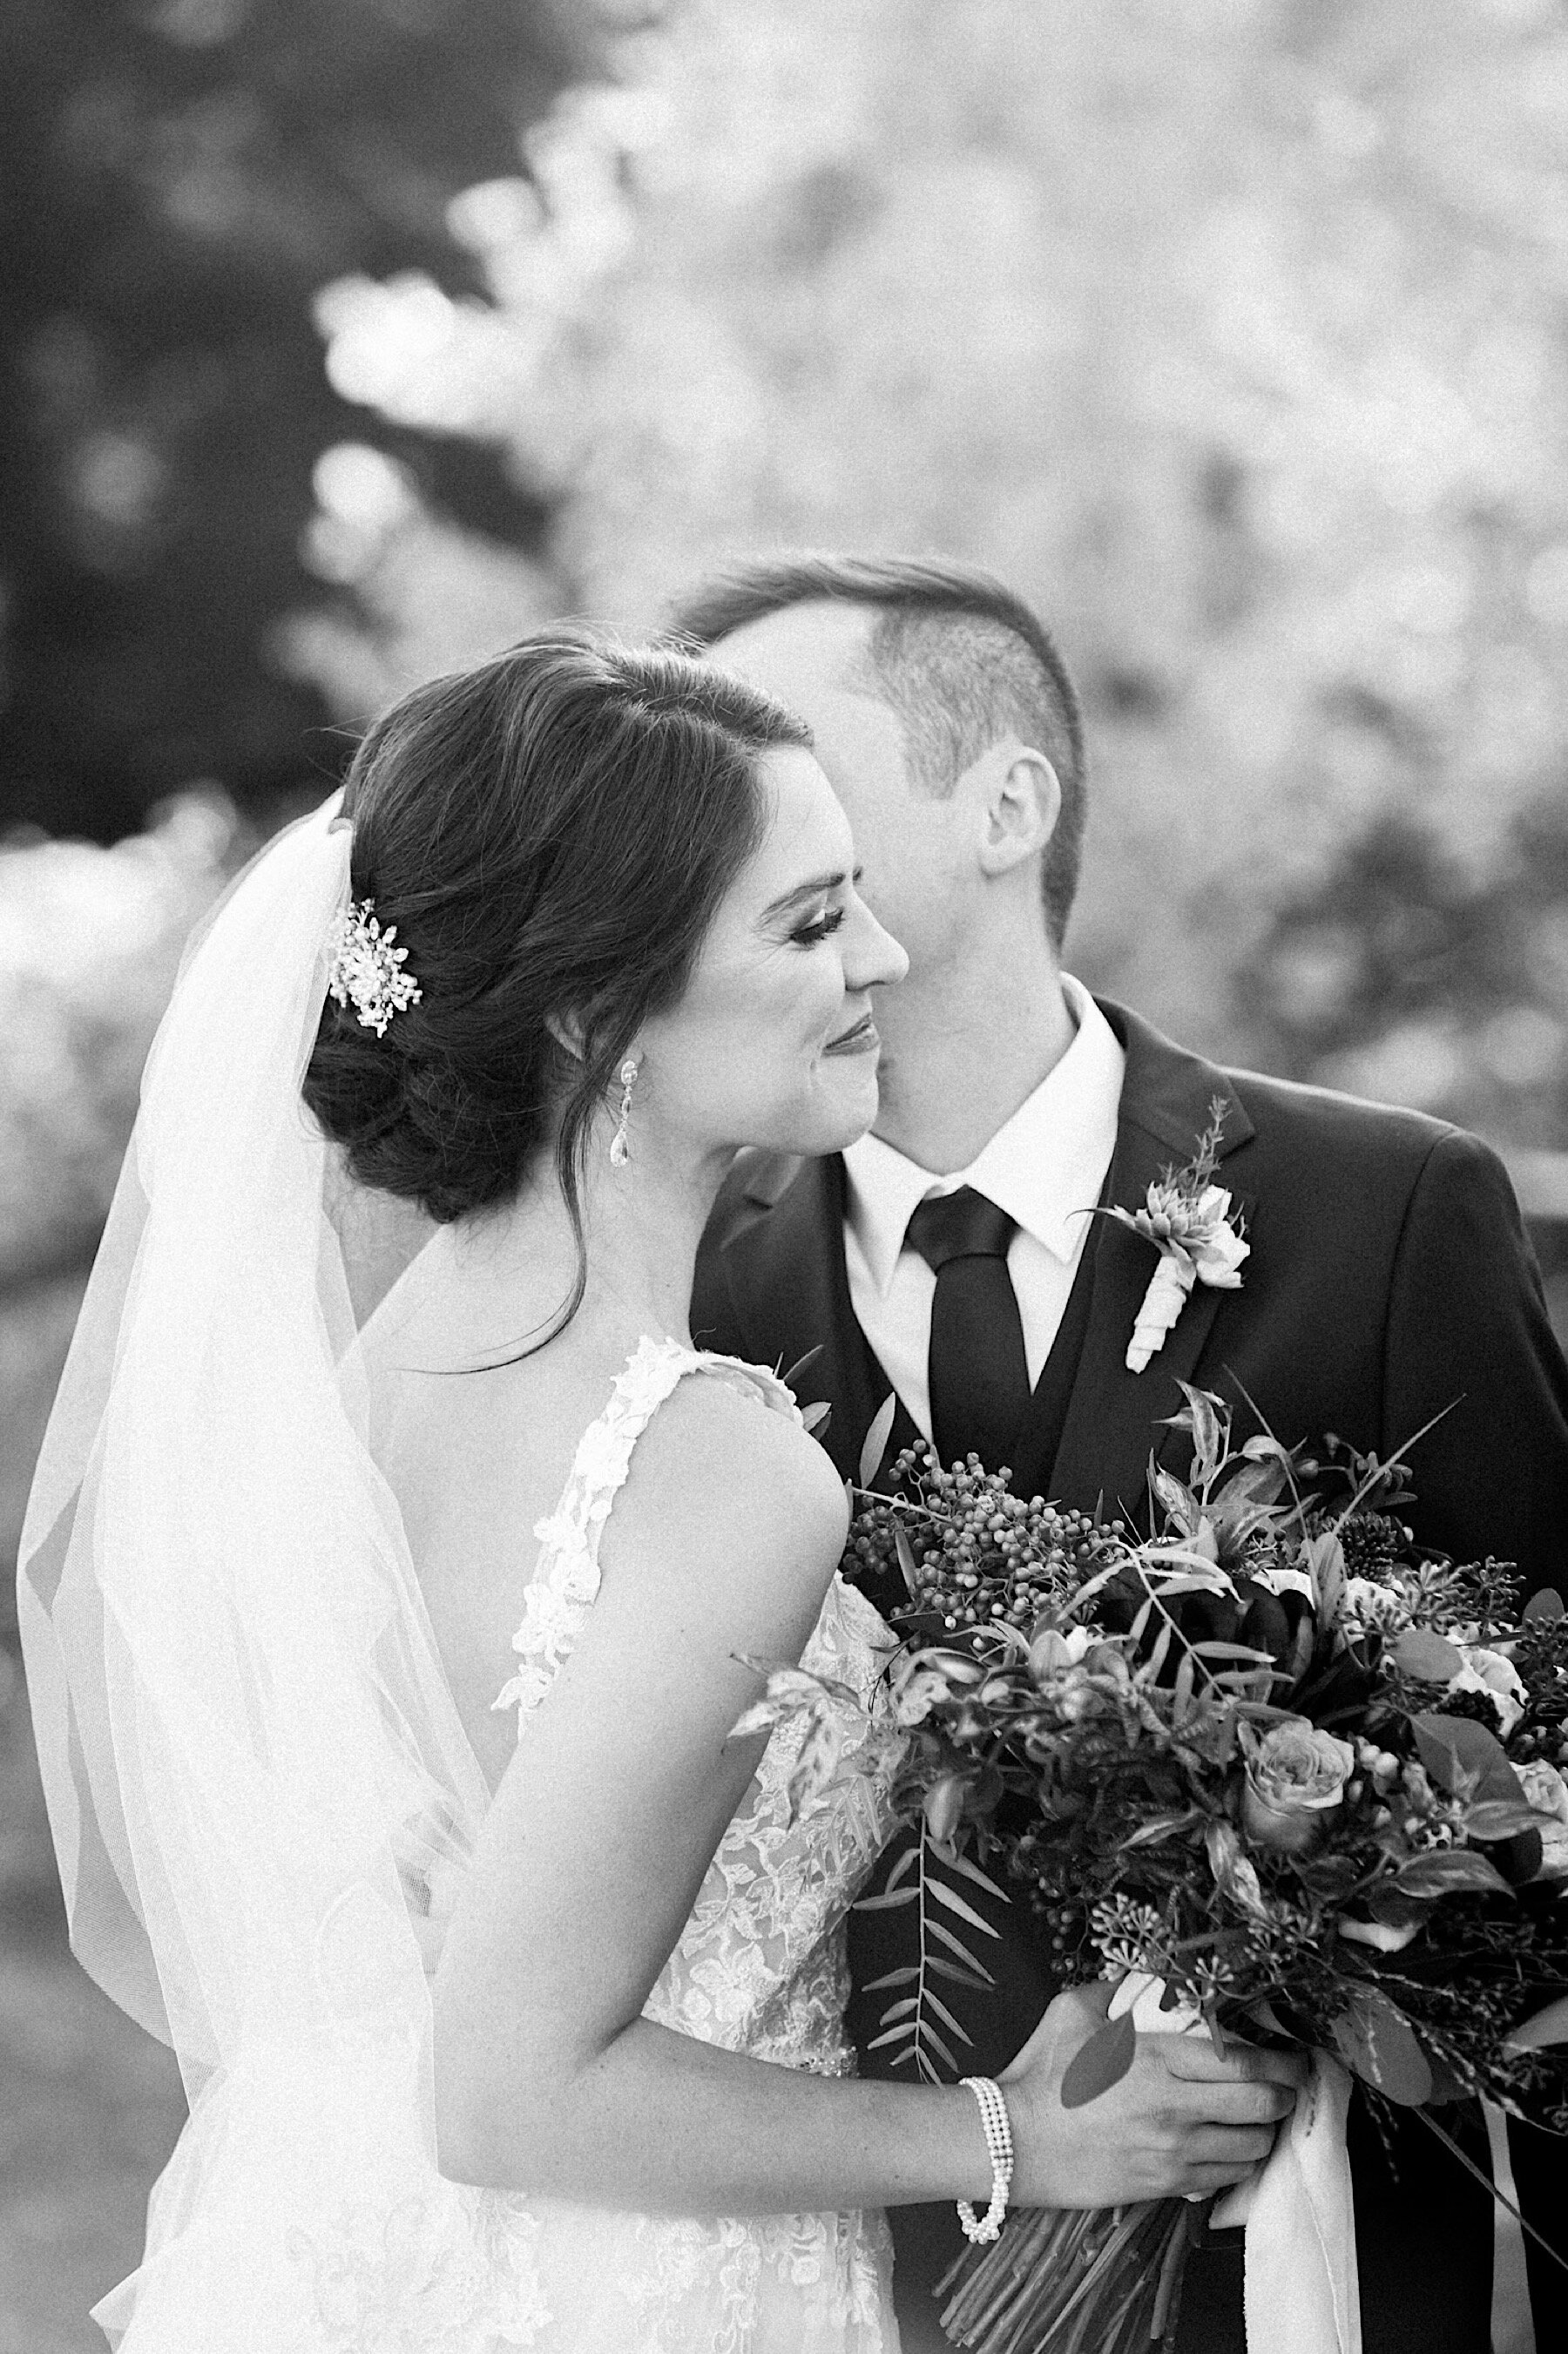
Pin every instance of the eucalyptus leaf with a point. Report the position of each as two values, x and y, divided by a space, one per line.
1421 1653
1500 1818
905 1864
1263 2012
1547 2027
946 2016
1325 1560
1156 1659
1208 1446
1396 1907
1252 1683
1158 1829
760 1717
1544 1606
1100 2062
943 1805
791 1380
1450 1871
906 1551
955 1904
957 1976
972 1872
1257 1486
1178 1502
1378 2043
1458 1753
876 1440
938 2044
816 1418
944 1937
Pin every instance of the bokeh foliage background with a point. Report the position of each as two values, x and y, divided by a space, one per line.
346 339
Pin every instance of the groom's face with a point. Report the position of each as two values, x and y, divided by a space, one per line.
913 845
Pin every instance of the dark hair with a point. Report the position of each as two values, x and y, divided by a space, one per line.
955 653
551 834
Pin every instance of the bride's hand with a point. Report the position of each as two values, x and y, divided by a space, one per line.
1182 2119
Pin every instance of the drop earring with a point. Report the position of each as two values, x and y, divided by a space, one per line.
619 1145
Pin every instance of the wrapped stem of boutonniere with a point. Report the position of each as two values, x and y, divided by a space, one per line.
1188 1219
1275 1755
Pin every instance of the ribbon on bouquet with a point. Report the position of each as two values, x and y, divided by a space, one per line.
1301 2293
1513 2324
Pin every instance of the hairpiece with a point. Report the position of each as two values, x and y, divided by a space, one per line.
367 968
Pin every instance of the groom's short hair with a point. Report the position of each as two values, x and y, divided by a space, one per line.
956 655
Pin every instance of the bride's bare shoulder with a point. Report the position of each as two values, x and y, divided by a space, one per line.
722 1478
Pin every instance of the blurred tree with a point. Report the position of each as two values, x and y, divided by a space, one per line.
1229 329
1404 972
178 177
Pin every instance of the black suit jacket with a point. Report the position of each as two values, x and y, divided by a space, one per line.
1389 1279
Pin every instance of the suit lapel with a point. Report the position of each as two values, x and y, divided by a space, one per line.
1113 1419
784 1269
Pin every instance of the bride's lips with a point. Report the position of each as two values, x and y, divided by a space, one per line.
860 1038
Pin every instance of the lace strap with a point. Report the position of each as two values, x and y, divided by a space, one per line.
566 1580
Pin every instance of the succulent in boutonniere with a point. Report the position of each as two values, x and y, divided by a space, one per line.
1188 1219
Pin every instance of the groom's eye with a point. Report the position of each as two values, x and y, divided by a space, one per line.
821 927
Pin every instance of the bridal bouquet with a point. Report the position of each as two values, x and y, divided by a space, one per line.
1295 1777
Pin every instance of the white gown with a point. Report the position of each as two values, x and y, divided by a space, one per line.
761 1968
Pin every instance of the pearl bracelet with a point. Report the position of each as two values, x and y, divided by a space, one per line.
999 2142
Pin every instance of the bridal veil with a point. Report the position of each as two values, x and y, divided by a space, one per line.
256 1776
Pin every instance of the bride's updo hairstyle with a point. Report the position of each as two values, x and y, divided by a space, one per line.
552 834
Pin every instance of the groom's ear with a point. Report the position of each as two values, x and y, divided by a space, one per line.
1022 802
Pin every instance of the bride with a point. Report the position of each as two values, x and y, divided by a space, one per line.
384 1683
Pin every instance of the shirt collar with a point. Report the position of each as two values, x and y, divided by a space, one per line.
1045 1166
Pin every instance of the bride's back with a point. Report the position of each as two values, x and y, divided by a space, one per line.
477 1443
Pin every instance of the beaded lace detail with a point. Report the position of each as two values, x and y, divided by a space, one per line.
566 1580
761 1967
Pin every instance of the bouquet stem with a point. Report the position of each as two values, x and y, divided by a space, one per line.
1104 2280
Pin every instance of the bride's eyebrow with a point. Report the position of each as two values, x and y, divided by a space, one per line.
813 890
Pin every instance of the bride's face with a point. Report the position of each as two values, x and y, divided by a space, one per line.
773 1042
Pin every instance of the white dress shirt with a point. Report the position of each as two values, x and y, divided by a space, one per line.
1044 1167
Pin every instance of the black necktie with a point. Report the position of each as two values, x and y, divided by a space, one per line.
979 1377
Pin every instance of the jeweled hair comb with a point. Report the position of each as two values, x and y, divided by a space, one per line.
366 970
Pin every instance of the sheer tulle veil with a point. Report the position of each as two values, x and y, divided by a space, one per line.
257 1781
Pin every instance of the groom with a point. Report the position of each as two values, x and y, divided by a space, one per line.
947 1257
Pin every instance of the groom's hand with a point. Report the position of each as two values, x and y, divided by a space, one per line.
1182 2119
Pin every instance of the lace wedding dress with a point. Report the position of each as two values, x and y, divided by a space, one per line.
761 1968
261 1794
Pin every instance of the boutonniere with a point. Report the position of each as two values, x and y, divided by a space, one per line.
1188 1219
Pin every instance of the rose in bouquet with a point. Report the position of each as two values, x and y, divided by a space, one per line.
1296 1777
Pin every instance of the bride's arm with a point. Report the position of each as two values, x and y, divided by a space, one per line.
547 2078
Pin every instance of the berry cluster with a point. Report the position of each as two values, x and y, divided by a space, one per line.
981 1555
